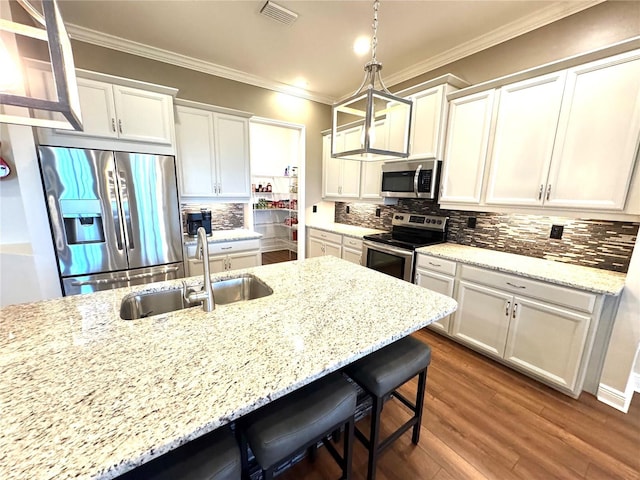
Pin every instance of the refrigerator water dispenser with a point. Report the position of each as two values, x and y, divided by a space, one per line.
82 221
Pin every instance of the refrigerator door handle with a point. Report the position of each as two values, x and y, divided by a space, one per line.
115 209
109 281
124 197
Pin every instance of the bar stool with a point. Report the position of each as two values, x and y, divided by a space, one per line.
215 456
299 421
380 374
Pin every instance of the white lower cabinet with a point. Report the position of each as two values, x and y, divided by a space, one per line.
543 330
320 243
226 256
438 275
352 249
547 340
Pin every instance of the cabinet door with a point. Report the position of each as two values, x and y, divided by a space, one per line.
243 260
96 105
143 116
232 155
371 172
315 247
352 255
333 249
523 143
466 148
331 169
482 318
194 267
438 283
350 184
194 131
597 135
426 125
218 263
547 341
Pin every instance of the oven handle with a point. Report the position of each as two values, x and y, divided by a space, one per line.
416 177
387 249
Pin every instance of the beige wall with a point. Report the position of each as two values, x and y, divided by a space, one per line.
599 26
201 87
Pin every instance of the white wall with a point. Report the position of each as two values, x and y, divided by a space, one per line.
617 382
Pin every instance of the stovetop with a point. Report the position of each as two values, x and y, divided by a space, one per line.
411 231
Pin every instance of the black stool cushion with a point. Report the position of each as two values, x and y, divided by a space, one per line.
288 424
215 456
385 370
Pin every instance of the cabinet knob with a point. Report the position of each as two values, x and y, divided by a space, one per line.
548 191
113 124
540 192
515 310
120 125
507 306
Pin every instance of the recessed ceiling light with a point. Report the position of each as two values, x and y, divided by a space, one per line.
361 45
300 83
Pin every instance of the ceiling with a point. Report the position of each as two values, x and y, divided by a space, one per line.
233 40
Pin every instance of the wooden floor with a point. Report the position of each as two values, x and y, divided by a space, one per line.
278 256
485 421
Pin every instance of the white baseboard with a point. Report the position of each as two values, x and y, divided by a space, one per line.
614 398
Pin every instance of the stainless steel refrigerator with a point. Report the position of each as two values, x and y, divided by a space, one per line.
114 217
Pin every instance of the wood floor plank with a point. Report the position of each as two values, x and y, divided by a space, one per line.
483 421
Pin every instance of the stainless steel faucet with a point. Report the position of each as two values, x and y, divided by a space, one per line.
206 294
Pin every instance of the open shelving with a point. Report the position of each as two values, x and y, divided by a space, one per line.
275 212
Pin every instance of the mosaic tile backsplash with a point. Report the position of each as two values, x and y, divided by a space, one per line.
224 216
591 243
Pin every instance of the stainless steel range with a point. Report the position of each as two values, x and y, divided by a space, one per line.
393 253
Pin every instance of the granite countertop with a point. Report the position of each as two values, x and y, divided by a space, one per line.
85 394
218 236
590 279
344 229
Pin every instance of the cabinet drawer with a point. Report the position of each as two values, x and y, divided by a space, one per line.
568 297
227 247
436 264
349 242
327 236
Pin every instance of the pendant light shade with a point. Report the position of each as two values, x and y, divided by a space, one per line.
63 110
372 124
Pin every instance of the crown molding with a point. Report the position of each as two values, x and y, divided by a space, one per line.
539 19
113 42
543 17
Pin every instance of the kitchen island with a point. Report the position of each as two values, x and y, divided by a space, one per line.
85 394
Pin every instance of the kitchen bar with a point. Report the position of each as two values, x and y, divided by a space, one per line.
86 394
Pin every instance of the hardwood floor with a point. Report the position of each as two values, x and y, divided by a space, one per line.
278 256
485 421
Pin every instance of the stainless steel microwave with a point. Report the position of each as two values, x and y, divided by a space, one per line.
414 179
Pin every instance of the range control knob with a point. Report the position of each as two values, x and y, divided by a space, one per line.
428 220
439 222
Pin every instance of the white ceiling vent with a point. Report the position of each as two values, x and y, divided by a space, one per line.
278 13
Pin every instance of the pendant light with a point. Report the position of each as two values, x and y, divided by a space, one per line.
63 109
371 125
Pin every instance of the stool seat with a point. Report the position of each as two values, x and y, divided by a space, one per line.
282 427
383 371
215 456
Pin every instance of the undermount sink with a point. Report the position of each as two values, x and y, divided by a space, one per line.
147 303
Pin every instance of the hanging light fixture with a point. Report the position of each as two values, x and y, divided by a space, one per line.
372 124
32 110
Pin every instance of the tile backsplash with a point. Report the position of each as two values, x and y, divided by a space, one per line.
593 243
224 216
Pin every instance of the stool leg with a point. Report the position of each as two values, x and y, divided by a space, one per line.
376 410
422 383
268 473
348 449
244 454
312 451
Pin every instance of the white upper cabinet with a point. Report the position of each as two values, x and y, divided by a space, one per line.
341 178
523 141
213 153
125 113
598 134
565 141
143 116
427 123
466 148
117 113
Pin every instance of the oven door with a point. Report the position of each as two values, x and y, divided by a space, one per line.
393 261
